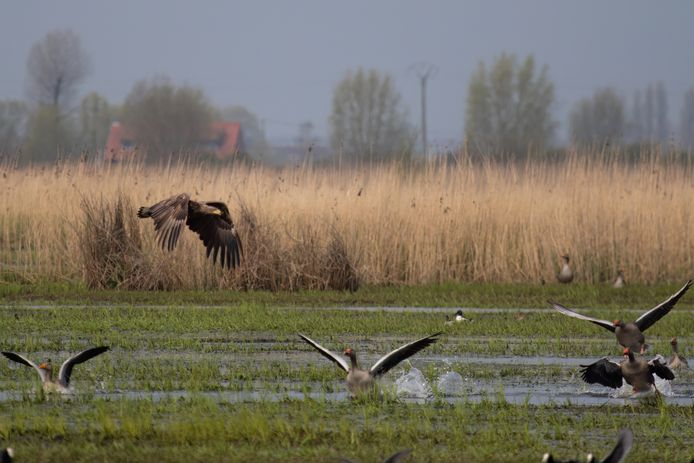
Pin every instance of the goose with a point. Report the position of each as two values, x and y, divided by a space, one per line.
45 370
619 281
209 219
635 371
619 452
459 317
394 458
565 275
631 334
7 455
677 362
360 380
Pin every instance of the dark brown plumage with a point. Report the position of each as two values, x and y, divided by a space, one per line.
210 220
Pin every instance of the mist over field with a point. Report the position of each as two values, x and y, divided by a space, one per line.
614 72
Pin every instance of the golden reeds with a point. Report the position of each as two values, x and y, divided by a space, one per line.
382 224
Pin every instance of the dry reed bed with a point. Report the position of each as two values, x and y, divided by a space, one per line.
305 227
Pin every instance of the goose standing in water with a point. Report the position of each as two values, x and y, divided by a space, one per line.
459 317
565 274
209 219
631 334
395 458
677 362
619 282
619 452
360 380
637 372
7 455
45 370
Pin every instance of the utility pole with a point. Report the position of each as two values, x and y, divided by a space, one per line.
424 71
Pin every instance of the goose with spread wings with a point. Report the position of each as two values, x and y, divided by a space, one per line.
635 371
209 219
631 334
394 458
45 370
7 455
617 455
360 380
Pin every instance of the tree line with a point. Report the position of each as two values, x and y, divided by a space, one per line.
509 111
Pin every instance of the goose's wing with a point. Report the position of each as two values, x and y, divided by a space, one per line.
620 451
659 311
658 367
570 313
24 361
69 364
218 234
391 359
398 457
169 217
604 371
342 363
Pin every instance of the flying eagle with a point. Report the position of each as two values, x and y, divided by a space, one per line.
209 219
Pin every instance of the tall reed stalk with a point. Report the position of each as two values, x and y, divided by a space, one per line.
320 227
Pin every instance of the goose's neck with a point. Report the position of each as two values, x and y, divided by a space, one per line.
47 374
353 361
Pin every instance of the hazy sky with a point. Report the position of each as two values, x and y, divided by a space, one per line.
283 58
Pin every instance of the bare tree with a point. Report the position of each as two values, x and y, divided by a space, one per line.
368 120
599 119
164 118
509 107
57 64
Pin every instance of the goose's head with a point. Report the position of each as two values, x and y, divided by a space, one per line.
46 366
673 341
617 322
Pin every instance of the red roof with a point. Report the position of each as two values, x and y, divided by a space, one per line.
224 140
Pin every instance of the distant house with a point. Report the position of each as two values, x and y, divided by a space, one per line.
224 141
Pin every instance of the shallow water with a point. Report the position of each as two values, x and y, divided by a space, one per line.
258 349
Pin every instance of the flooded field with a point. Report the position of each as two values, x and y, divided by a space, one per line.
177 376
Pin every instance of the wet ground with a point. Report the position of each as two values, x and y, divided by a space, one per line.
448 377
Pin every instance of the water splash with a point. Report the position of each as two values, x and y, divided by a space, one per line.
450 384
413 384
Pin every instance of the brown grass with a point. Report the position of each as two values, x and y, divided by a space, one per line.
320 228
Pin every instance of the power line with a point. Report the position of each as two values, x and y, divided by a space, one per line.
424 71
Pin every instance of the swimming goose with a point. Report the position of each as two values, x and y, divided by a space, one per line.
619 281
631 334
677 361
565 275
459 317
360 380
45 370
636 371
209 219
620 451
395 458
7 455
